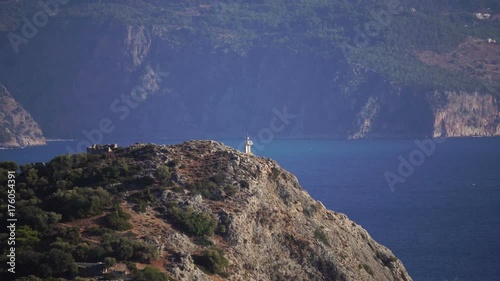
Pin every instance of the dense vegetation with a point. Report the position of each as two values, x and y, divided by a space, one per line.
52 197
381 35
212 260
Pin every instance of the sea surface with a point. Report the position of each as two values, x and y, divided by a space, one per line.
443 221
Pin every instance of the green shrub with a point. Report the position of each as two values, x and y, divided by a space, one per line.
230 190
81 252
68 234
173 163
9 166
163 174
202 241
67 167
27 237
192 222
142 196
126 248
80 202
212 260
320 235
207 189
60 262
218 178
37 218
223 224
131 266
150 274
147 152
63 246
275 174
97 231
27 262
96 253
118 219
141 207
109 262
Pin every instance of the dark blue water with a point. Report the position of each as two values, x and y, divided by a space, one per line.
443 221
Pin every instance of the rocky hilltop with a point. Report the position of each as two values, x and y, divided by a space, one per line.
275 230
197 210
17 127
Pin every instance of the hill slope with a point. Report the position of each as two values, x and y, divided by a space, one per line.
196 211
222 68
17 127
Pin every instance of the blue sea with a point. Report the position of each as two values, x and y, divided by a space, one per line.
442 220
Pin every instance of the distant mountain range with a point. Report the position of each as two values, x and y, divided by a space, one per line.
202 69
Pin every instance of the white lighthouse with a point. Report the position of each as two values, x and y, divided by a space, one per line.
248 145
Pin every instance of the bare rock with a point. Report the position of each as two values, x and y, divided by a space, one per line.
17 127
274 230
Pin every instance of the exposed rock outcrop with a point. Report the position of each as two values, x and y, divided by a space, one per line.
273 229
17 127
432 114
467 114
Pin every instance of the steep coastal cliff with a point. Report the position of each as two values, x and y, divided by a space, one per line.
17 127
275 230
467 114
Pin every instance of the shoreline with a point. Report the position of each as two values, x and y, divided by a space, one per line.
58 140
21 147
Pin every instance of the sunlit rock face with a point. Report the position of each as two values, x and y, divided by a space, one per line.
467 114
273 229
17 127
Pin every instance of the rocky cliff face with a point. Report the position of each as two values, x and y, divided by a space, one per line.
17 127
429 114
273 229
138 79
467 114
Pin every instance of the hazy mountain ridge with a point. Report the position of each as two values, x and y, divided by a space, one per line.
232 65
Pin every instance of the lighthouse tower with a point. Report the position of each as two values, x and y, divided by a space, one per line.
248 146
